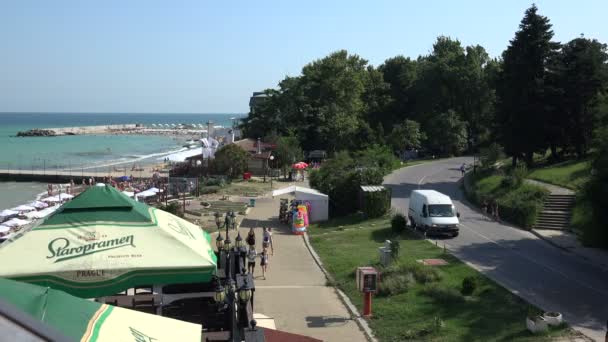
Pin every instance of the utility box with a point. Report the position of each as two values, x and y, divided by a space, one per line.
385 253
367 279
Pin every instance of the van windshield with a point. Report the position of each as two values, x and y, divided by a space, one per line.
441 210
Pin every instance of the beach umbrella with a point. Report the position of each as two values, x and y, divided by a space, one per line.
124 178
300 165
38 205
4 229
103 242
100 184
16 222
24 208
153 189
8 213
83 320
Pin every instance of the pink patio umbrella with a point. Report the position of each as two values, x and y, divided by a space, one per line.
300 165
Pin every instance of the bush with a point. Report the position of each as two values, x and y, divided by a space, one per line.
490 155
469 284
422 274
172 208
395 283
522 206
443 294
205 190
376 203
395 247
398 223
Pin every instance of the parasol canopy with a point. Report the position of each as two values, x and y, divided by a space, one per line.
83 320
103 242
24 208
300 165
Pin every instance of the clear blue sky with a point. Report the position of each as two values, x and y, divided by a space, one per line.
198 56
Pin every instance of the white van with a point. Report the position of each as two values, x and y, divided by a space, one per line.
433 212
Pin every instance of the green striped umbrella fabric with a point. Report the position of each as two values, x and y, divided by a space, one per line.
103 242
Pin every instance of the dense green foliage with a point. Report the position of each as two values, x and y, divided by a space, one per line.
341 177
516 204
595 196
231 160
417 302
377 203
288 152
538 96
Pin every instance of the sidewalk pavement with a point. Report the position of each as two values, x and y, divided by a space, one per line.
294 293
569 242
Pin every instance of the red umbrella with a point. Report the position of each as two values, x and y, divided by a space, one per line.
300 165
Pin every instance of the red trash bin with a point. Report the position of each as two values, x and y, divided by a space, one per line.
247 175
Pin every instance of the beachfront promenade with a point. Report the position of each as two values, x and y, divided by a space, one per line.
295 293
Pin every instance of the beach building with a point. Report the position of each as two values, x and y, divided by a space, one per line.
256 99
259 154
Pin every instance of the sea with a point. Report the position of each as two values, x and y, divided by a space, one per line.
80 152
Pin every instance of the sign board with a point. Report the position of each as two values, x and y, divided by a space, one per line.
367 279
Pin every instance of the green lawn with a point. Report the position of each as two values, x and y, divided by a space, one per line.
490 314
570 174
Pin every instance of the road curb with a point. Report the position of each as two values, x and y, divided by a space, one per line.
367 331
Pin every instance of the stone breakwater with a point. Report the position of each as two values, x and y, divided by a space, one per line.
103 129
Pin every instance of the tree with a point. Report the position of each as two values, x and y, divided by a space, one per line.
231 160
446 134
288 152
400 74
407 136
596 230
583 74
521 91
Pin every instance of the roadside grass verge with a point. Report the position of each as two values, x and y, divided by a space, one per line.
518 204
419 302
570 174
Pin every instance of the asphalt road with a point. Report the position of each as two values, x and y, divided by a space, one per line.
544 275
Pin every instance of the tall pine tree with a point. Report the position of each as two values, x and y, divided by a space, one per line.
521 89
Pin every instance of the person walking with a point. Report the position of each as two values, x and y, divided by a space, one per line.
264 262
495 210
267 239
251 255
251 238
463 168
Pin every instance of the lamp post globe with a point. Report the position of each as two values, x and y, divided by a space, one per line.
220 294
238 241
227 243
219 242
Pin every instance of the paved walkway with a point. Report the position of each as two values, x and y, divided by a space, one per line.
294 292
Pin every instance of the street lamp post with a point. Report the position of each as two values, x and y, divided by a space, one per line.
271 164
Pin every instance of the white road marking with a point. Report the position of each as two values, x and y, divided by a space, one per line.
420 181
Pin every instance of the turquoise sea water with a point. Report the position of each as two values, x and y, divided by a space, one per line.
85 151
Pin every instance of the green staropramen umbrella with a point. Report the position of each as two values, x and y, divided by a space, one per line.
83 320
103 242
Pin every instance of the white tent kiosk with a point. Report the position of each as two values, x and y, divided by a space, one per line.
319 202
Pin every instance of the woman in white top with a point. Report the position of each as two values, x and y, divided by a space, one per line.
267 239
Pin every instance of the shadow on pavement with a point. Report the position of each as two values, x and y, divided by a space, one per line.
325 321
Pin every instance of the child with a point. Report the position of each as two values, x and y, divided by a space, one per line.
251 255
264 262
